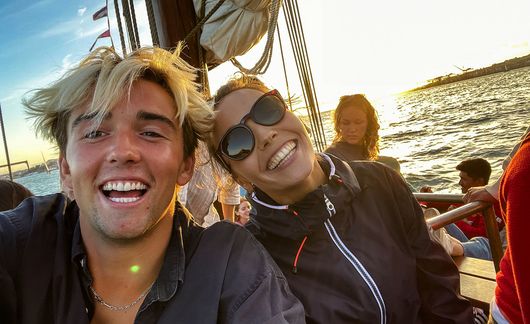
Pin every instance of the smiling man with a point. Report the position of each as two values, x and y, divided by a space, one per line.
123 250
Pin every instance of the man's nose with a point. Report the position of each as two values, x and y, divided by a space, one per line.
124 148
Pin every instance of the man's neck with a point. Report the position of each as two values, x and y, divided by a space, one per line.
120 270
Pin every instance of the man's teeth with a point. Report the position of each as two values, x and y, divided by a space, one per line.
285 152
124 186
124 199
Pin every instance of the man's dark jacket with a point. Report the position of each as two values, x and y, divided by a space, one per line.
221 274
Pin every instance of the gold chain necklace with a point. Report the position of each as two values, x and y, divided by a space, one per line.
121 308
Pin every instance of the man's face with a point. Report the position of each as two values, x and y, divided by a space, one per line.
467 182
124 173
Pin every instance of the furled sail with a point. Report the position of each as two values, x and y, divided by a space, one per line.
233 29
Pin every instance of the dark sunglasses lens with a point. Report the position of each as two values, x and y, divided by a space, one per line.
238 143
268 110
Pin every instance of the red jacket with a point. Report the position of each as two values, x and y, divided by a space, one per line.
513 280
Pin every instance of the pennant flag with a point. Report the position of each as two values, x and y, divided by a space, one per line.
104 34
100 13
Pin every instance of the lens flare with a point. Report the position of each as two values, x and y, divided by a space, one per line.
135 268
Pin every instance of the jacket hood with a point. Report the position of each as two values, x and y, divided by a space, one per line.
301 218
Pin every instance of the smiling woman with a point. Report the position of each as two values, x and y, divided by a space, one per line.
315 210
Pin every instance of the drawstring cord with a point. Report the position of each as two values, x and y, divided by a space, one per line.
295 270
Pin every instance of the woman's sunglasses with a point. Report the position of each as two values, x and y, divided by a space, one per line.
238 141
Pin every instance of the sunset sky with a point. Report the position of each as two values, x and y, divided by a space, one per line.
374 47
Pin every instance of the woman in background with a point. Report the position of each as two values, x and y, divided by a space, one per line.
356 129
243 212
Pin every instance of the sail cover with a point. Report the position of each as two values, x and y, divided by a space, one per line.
233 29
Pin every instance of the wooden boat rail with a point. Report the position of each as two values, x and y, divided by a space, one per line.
462 212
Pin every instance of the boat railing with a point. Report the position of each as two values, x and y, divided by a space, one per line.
459 213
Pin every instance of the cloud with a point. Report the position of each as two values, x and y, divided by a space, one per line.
81 11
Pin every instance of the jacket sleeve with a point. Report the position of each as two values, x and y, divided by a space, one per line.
268 299
437 275
8 249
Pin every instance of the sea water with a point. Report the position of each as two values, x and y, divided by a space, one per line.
432 130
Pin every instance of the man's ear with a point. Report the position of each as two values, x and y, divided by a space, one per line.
66 176
185 171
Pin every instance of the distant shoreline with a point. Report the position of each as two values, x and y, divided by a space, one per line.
511 64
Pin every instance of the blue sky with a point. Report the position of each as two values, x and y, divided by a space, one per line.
375 47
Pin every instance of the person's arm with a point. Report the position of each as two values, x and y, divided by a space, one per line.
515 190
266 296
8 295
437 276
473 227
229 198
490 193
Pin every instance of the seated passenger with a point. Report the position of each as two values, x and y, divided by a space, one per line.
12 194
350 237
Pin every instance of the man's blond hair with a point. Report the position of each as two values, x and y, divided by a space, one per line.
103 78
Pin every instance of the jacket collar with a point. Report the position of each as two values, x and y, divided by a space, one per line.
301 218
171 274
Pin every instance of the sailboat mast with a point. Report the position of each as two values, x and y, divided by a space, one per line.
5 144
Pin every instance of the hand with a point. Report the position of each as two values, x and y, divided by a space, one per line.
426 189
478 194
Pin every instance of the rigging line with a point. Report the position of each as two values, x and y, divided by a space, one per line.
294 46
284 70
264 61
307 76
128 23
108 25
134 24
202 62
302 72
311 74
203 20
152 22
120 27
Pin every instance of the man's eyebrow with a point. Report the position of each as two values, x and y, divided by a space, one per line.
144 115
90 116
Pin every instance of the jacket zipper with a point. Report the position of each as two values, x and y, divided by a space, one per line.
354 261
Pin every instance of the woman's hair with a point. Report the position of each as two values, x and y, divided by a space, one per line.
370 142
103 78
237 82
12 194
236 212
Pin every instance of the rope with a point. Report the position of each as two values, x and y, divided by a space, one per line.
285 71
134 24
128 23
264 61
152 22
203 20
294 27
120 28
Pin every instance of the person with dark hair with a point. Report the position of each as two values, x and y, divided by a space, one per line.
12 194
473 172
342 232
124 250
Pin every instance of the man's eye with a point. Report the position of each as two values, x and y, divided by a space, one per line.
151 134
93 134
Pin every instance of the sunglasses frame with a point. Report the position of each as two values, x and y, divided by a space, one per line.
220 153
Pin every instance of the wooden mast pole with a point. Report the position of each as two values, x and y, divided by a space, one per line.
5 144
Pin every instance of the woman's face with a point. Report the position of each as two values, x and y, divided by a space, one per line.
283 156
352 125
243 211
